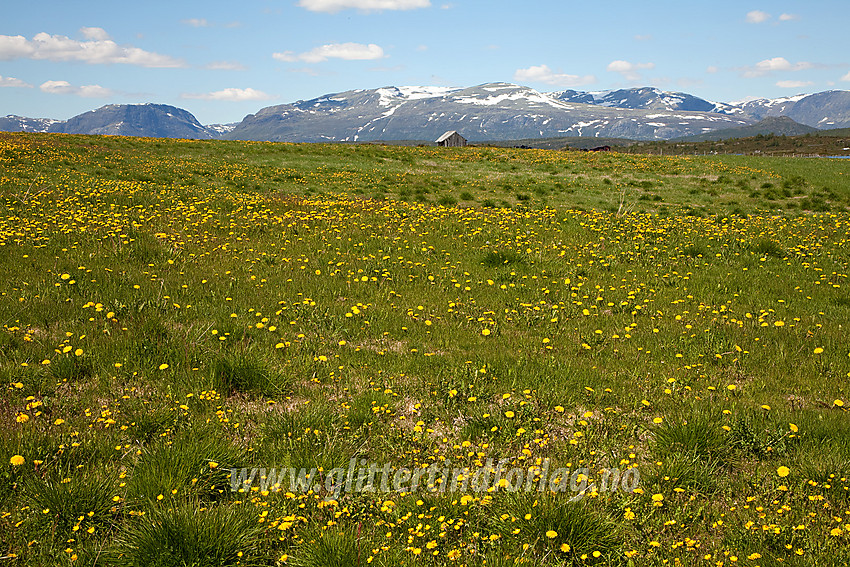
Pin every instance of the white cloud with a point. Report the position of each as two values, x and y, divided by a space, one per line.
13 82
644 37
196 22
93 51
333 6
773 65
846 77
757 17
788 17
712 69
346 51
226 66
793 84
86 91
629 70
231 94
94 33
543 74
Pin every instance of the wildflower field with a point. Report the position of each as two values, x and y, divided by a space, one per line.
174 311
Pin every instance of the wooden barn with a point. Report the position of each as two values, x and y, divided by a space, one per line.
451 140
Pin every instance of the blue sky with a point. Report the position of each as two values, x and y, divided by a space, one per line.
222 61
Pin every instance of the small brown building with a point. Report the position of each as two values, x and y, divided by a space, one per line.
451 140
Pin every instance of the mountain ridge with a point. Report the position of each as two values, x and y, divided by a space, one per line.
491 111
487 112
776 125
150 120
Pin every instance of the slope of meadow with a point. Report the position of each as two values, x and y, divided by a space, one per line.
174 310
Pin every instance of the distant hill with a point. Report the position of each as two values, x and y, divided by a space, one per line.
776 125
152 120
841 132
816 143
573 143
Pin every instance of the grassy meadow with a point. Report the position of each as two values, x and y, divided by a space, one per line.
175 309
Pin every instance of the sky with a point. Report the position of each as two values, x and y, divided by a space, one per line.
222 61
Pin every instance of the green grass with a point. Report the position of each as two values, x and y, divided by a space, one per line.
172 310
191 535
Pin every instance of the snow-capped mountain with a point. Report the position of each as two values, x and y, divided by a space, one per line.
492 111
488 112
828 109
218 130
13 123
647 98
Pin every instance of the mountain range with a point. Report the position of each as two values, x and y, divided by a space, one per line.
488 112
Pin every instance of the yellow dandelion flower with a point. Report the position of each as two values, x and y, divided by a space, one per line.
551 534
17 460
163 366
783 471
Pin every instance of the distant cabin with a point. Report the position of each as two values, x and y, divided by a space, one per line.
451 140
